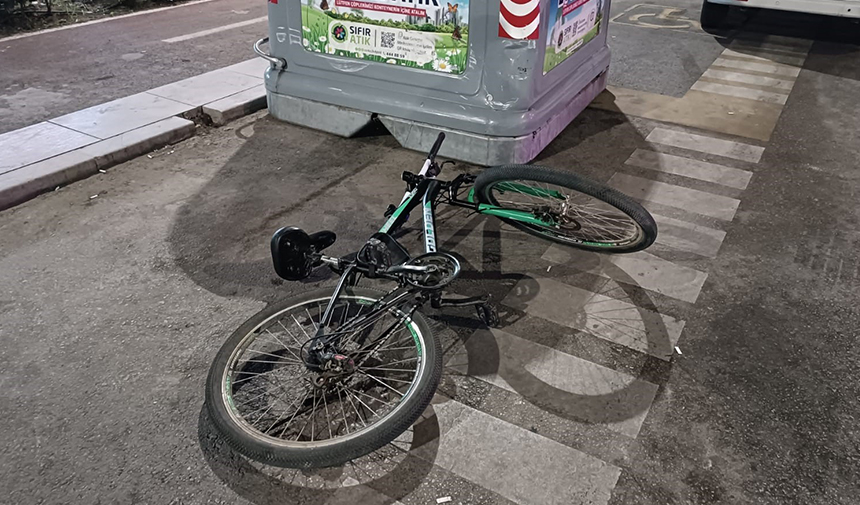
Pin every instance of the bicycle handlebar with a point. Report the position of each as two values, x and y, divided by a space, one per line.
435 149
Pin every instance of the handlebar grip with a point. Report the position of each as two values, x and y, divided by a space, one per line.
435 149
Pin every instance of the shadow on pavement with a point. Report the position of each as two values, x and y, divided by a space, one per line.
288 175
381 478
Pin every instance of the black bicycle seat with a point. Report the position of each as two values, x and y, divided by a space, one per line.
293 251
322 239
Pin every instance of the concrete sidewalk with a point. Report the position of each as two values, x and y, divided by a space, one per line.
71 147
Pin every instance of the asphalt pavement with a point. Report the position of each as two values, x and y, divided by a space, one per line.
49 74
718 367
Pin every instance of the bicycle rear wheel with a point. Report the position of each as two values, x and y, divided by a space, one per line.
272 408
576 211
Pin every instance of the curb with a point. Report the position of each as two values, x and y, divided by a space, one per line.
21 185
24 183
235 106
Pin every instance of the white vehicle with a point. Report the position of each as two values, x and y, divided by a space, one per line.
715 12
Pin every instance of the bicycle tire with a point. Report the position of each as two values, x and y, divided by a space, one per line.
258 448
488 179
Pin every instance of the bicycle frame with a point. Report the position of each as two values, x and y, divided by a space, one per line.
427 190
424 189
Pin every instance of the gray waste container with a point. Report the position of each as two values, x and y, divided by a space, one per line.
501 77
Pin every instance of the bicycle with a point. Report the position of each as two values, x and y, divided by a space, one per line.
328 376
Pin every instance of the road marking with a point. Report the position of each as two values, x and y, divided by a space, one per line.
525 366
484 449
759 80
688 237
702 170
210 31
775 43
640 268
763 65
708 145
767 68
690 200
697 109
665 17
796 61
599 315
103 20
772 50
740 92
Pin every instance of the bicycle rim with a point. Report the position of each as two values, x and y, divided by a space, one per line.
572 216
272 396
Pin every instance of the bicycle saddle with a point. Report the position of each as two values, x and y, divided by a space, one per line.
293 251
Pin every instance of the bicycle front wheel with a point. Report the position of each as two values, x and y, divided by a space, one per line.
274 408
568 209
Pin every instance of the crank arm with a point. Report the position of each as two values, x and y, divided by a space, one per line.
459 302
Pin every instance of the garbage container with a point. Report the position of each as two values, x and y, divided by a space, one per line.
501 77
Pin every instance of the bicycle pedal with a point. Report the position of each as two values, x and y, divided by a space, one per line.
488 315
390 210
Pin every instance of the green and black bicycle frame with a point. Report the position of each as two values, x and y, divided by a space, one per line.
383 257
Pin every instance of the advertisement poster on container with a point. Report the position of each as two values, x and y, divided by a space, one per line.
572 25
426 34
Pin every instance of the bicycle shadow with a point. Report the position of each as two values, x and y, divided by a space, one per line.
220 240
504 361
381 478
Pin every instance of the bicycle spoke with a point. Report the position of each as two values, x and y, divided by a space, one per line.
309 420
379 381
283 344
294 415
290 334
270 362
272 382
267 354
300 326
361 402
325 405
345 421
595 220
387 369
357 414
285 411
311 319
373 397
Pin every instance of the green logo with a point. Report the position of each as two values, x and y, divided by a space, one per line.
338 31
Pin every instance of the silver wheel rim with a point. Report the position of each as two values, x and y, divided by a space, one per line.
582 219
309 418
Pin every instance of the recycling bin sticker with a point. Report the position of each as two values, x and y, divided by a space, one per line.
426 34
573 23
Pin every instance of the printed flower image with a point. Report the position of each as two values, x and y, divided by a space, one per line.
330 49
359 55
322 38
391 61
441 65
306 42
305 28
